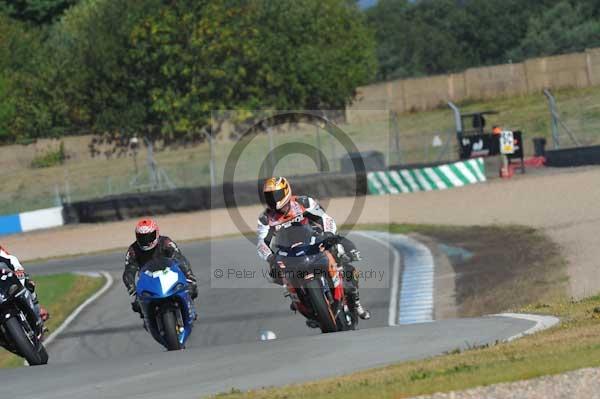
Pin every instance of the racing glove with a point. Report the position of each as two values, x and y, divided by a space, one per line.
193 284
135 305
29 284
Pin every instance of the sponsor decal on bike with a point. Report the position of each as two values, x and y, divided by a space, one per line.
286 224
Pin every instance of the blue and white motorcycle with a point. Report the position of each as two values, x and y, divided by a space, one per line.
168 309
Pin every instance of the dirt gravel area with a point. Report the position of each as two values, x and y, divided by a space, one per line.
488 278
564 203
576 384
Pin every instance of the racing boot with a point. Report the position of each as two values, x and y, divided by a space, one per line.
44 314
310 323
362 312
354 303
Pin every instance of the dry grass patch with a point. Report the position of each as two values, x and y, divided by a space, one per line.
511 266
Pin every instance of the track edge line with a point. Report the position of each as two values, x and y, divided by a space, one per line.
109 282
542 322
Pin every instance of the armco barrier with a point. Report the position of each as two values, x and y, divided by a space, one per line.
126 206
439 177
33 220
578 156
326 185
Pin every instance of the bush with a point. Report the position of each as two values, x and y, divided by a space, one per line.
50 158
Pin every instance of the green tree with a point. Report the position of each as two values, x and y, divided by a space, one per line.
418 39
162 67
315 53
18 46
564 28
81 81
195 57
35 11
191 58
495 26
440 36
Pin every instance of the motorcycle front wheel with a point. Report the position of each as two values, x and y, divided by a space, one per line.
321 307
171 335
26 346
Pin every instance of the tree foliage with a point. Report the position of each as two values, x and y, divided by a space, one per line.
196 57
160 67
35 11
561 29
439 36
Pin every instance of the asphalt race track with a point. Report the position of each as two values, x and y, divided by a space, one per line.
105 352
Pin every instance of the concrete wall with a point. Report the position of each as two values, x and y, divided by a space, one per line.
570 70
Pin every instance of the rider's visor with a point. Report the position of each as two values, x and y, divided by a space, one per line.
273 197
144 240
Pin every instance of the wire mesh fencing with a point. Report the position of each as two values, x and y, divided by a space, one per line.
289 149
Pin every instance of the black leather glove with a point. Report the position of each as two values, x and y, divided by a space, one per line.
329 239
193 291
193 286
30 285
135 305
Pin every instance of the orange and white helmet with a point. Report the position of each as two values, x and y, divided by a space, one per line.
277 192
146 234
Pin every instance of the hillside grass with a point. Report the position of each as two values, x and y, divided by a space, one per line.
27 189
60 294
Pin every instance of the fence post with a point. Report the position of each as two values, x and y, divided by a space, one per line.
394 138
271 146
588 67
57 197
211 161
318 138
554 123
330 138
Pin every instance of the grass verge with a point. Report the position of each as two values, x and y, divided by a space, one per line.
60 294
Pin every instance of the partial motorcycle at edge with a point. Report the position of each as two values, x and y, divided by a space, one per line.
21 327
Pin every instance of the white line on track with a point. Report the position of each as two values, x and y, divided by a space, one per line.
541 323
79 309
393 305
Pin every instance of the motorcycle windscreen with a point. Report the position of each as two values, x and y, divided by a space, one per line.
296 240
158 277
